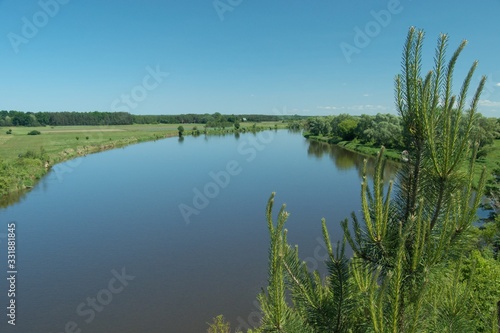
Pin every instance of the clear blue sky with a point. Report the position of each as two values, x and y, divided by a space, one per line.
230 56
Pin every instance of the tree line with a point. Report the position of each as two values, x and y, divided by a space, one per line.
96 118
387 129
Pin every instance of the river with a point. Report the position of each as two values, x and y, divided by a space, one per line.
163 236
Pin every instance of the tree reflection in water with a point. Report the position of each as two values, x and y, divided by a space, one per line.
344 159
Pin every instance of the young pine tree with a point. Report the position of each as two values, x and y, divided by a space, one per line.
406 245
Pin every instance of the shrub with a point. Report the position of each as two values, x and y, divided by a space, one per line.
30 154
34 132
9 132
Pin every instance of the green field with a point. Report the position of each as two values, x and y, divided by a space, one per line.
57 140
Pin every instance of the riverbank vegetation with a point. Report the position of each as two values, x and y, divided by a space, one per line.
367 133
419 263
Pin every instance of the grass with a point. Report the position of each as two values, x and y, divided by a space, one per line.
19 170
371 150
361 148
62 140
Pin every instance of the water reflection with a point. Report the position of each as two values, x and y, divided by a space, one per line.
12 198
344 159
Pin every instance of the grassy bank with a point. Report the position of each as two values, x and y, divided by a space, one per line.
24 158
363 149
490 161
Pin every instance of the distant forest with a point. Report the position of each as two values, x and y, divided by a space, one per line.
19 118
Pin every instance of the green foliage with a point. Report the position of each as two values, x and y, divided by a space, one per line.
462 296
383 130
219 325
295 125
218 121
276 311
22 172
489 237
485 131
9 132
33 155
34 132
449 302
407 273
317 126
181 130
431 221
483 274
196 131
96 118
346 129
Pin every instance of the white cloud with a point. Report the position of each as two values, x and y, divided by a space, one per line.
488 103
359 108
498 84
370 107
329 107
366 95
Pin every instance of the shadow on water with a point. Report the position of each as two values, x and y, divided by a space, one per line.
13 198
344 159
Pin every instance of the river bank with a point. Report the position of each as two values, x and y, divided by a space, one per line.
25 159
357 147
490 161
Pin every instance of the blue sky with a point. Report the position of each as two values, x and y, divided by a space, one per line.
231 56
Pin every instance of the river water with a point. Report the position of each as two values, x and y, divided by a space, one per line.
163 236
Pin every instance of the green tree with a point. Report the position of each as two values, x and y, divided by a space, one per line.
181 130
317 126
336 130
365 122
383 130
347 129
295 125
404 245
